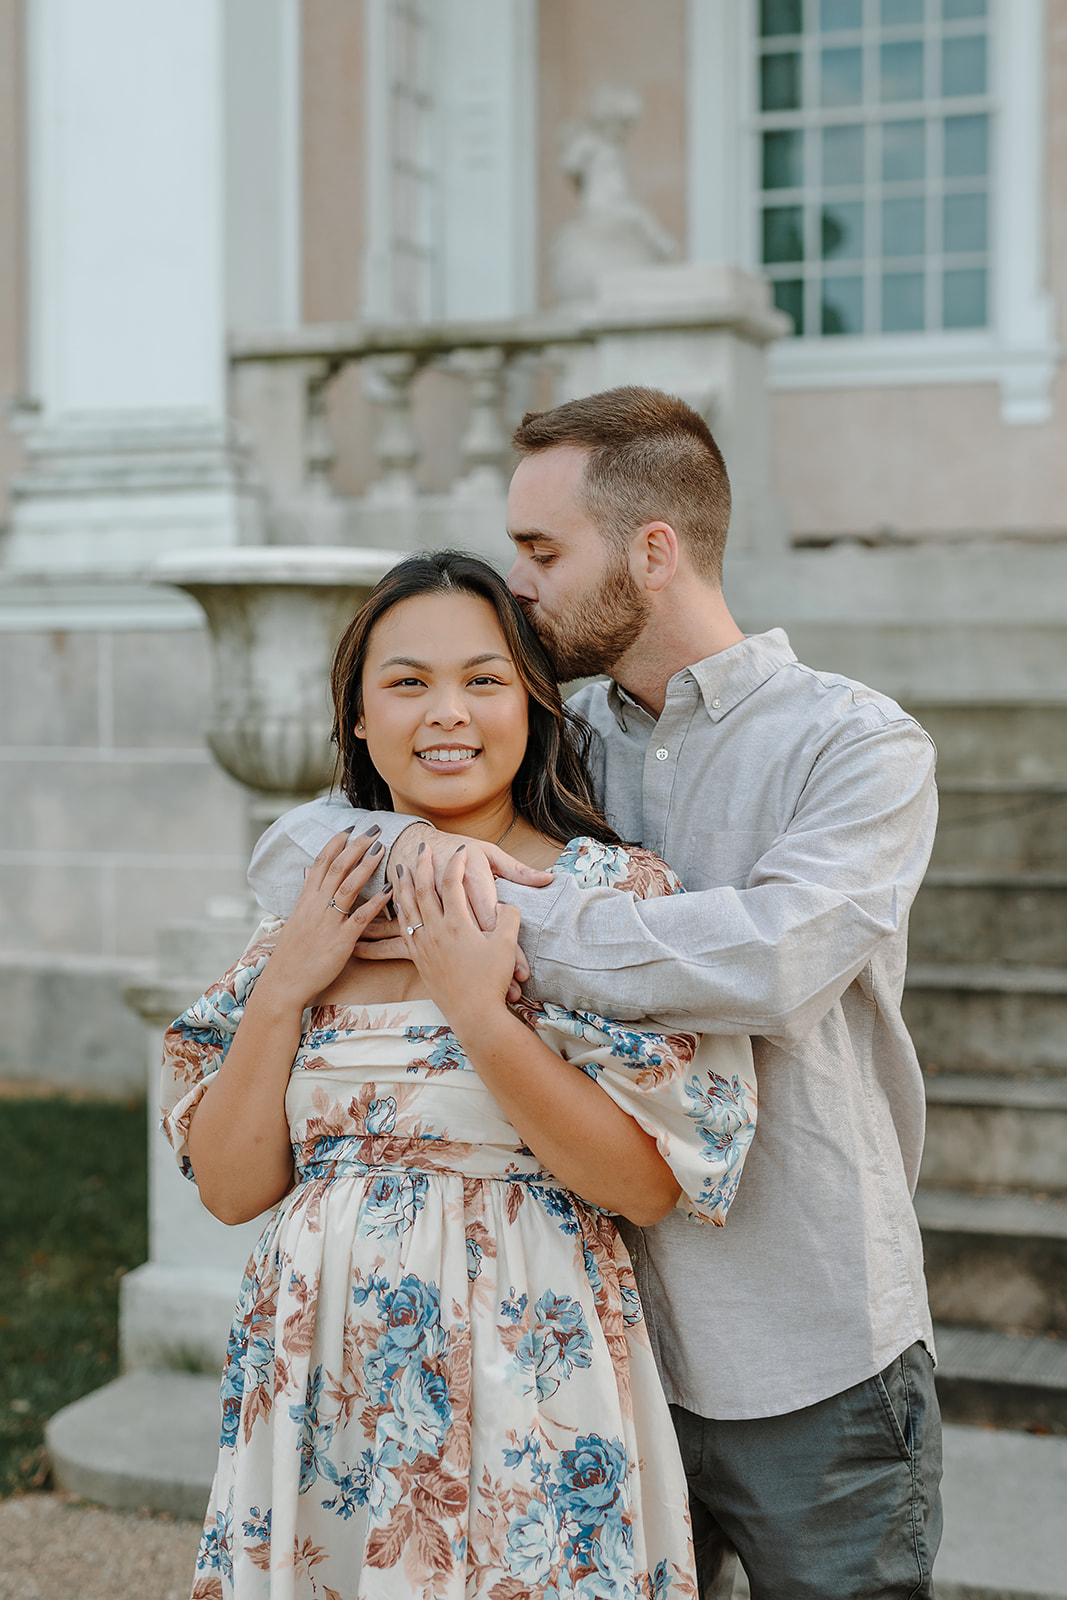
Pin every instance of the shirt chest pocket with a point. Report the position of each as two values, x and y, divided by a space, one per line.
721 857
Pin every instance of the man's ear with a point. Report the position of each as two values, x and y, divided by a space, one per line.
655 552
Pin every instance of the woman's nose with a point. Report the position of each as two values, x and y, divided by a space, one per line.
447 711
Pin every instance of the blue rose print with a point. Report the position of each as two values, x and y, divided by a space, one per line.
421 1412
533 1543
555 1345
393 1201
591 1477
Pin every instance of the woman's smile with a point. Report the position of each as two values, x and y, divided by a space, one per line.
448 756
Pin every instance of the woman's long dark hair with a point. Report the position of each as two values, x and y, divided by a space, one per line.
552 789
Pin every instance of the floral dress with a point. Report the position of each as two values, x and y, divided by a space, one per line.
439 1383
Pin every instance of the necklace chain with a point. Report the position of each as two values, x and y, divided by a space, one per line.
507 830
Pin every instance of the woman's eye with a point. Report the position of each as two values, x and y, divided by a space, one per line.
481 682
407 683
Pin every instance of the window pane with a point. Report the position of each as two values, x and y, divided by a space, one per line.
952 10
903 151
780 81
842 231
903 227
842 305
902 71
895 12
903 310
783 233
783 159
963 66
965 223
966 147
837 14
780 16
789 297
842 155
842 77
965 298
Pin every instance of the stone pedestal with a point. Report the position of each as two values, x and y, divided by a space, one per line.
176 1308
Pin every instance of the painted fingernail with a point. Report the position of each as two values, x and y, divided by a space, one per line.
388 889
422 847
375 848
399 870
369 833
351 825
461 847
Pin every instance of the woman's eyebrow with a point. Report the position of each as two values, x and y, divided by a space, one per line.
424 666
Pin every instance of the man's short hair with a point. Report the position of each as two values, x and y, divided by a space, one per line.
651 458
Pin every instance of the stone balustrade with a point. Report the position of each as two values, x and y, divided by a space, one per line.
696 330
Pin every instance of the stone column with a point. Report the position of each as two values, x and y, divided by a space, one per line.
131 260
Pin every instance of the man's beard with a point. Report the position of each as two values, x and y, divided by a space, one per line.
598 628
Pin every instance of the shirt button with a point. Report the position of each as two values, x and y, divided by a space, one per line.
715 704
662 754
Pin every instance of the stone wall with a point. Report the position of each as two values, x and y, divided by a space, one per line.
113 821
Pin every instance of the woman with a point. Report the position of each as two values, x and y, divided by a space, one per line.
439 1383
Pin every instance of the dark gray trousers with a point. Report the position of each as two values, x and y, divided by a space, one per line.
838 1501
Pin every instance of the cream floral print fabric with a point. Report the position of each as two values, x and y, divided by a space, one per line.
439 1382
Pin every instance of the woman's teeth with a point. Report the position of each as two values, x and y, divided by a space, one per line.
446 755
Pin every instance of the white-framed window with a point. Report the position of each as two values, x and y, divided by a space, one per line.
881 161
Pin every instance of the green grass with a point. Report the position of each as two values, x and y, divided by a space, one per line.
73 1220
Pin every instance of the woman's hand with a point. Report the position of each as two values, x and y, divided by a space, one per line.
320 935
466 971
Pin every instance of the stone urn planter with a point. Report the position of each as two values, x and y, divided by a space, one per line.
275 614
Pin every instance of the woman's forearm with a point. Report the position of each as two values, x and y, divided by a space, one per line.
577 1131
239 1136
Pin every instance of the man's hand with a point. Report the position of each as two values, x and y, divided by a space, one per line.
483 864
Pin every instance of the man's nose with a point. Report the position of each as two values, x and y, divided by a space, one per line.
518 580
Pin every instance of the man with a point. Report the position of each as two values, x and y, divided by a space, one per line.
799 810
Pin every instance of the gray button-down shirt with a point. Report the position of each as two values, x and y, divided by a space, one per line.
799 810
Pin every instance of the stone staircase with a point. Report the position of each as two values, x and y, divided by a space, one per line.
986 1001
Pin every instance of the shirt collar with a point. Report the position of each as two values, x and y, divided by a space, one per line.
724 680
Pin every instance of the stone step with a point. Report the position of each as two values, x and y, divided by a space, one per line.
1003 825
151 1439
965 914
1024 742
996 1261
991 1132
1002 1380
977 1018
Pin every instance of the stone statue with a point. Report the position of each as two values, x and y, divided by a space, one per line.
613 229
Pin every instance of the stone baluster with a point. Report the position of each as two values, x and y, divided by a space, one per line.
484 446
387 381
320 452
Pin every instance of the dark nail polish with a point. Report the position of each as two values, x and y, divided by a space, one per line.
376 848
459 848
351 825
422 847
399 870
388 889
369 833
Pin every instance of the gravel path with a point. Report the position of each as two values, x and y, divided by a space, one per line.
55 1548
